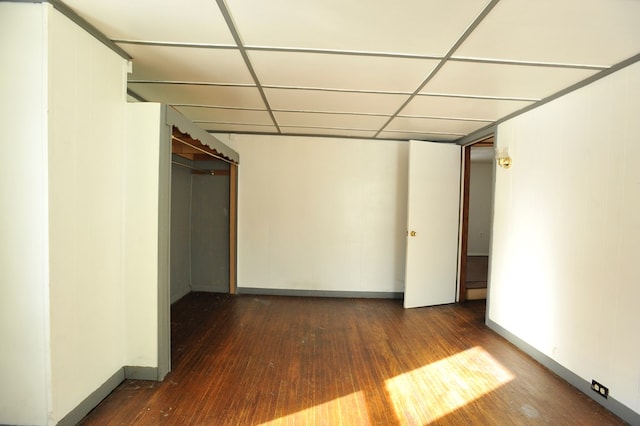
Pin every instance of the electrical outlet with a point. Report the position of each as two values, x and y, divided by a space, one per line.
601 390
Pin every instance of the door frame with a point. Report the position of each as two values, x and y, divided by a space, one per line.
233 227
486 140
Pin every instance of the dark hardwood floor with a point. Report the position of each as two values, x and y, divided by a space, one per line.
477 271
250 360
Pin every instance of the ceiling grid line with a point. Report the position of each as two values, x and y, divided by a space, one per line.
436 117
236 36
356 53
175 44
340 52
528 63
232 123
438 67
463 96
328 89
190 83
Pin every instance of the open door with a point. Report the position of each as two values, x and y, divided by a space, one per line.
433 220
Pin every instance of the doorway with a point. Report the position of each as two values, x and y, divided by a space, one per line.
477 202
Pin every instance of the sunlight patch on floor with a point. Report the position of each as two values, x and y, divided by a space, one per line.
347 410
435 390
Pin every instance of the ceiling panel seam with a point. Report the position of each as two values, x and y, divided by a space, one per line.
365 114
358 53
191 83
340 52
235 123
496 98
380 138
275 49
418 132
236 36
298 126
485 12
176 44
218 107
435 117
328 89
332 89
311 135
528 63
369 114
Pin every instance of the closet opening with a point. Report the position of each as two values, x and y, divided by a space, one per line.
203 218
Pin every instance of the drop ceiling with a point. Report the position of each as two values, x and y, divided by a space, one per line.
412 69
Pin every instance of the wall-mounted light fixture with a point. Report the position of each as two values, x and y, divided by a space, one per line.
502 157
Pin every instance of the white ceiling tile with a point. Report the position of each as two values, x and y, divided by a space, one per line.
399 135
319 100
433 125
221 96
198 21
503 80
577 32
327 132
588 32
187 64
236 128
428 27
296 69
474 108
222 115
369 122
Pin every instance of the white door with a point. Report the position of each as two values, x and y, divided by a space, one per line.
433 218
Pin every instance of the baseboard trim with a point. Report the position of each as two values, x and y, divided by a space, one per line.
141 373
584 386
320 293
89 403
209 289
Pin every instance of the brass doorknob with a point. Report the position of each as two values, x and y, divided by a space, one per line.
413 233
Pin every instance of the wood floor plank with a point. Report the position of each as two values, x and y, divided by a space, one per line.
254 360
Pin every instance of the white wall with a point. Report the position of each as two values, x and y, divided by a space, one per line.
564 272
141 234
180 232
199 229
87 92
480 197
321 214
24 354
210 229
62 183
